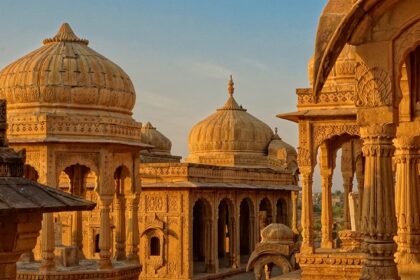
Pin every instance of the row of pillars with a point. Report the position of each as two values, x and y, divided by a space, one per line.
380 213
105 242
351 163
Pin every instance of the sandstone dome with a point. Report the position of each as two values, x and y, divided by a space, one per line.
342 74
230 130
66 74
151 136
277 233
67 92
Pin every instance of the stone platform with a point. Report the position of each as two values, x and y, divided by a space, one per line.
87 269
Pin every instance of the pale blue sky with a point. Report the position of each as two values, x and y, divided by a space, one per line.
179 54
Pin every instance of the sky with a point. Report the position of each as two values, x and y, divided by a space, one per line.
180 53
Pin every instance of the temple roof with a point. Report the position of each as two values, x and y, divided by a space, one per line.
231 129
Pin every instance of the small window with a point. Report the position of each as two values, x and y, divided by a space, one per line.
97 249
154 246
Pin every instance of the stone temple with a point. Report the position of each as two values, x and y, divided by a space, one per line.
233 203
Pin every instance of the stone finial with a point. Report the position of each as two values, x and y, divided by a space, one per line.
231 89
65 34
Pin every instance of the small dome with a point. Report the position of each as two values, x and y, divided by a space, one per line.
151 136
342 73
65 74
277 233
280 149
231 129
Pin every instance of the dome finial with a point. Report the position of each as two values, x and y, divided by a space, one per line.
275 130
65 34
231 89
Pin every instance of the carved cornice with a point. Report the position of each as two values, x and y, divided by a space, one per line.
168 172
38 128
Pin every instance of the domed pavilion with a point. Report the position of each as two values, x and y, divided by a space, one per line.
71 109
161 150
365 99
205 215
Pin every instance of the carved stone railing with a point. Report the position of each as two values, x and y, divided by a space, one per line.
330 96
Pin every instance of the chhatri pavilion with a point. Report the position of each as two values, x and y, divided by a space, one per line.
202 219
70 108
365 99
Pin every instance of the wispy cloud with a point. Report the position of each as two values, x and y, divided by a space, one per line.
210 69
254 63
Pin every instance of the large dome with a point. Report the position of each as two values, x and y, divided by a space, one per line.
66 74
230 130
65 91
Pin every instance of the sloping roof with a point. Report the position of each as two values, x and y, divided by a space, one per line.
19 195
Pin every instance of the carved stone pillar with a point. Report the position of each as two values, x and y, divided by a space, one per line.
307 211
326 211
47 243
215 240
360 177
407 200
295 195
347 171
347 186
120 227
76 232
133 229
252 238
105 233
326 166
378 222
233 252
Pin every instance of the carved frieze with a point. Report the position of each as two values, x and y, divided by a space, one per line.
374 87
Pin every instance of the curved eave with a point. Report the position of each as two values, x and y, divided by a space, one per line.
341 35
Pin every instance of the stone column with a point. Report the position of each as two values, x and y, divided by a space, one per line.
326 211
295 195
347 173
360 177
133 229
307 211
215 239
326 166
252 238
47 243
347 186
76 233
233 253
407 200
105 232
378 222
120 229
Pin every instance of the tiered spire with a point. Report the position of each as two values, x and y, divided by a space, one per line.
65 34
231 102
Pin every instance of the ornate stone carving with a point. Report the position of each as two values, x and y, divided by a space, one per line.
324 132
374 87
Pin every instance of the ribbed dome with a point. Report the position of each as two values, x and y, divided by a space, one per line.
151 136
343 71
66 74
230 129
280 149
277 233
